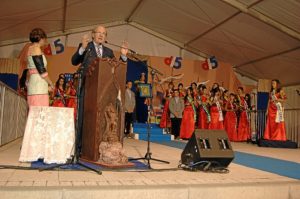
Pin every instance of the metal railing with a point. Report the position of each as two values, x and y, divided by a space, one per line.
13 114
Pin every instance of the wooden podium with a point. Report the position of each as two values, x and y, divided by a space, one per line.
104 85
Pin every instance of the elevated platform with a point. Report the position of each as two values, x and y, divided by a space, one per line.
164 181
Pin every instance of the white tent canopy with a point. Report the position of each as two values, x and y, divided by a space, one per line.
260 38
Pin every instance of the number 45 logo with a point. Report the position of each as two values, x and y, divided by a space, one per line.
55 47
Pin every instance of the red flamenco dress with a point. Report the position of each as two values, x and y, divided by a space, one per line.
59 99
275 127
230 122
204 115
216 115
188 119
181 93
165 121
243 130
71 102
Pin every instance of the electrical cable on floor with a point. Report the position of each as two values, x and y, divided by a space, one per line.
205 166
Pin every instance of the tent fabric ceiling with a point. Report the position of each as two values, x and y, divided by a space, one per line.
260 38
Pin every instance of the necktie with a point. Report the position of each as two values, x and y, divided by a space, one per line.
99 50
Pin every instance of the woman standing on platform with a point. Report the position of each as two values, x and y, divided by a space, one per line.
216 111
275 127
39 82
71 94
230 122
39 85
189 115
243 130
181 90
58 94
165 121
204 113
194 89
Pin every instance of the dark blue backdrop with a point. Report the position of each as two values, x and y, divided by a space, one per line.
10 79
262 100
134 70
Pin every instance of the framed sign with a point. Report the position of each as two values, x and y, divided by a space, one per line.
145 90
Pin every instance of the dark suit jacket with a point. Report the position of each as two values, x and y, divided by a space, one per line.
90 54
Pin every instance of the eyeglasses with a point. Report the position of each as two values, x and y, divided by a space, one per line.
100 33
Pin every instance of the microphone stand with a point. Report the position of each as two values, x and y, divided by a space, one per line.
148 154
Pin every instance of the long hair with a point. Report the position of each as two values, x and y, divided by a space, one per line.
186 96
278 85
57 83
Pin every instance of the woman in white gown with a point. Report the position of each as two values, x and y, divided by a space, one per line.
39 81
46 128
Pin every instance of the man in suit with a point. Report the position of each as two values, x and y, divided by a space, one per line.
129 107
89 50
86 53
176 107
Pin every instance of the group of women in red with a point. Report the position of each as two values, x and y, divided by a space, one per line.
219 109
64 94
211 109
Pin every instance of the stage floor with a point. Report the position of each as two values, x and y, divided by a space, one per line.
250 181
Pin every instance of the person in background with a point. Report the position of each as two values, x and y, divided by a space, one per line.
71 94
176 107
39 83
181 90
275 127
230 122
194 89
58 95
129 108
189 115
244 120
204 113
215 87
165 121
216 111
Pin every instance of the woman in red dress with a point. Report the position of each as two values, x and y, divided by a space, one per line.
181 90
243 130
194 89
275 127
216 111
189 116
230 122
71 94
204 114
165 121
58 95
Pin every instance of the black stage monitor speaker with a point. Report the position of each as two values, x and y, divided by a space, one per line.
208 146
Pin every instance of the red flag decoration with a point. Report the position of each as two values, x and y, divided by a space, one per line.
55 47
210 63
173 62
